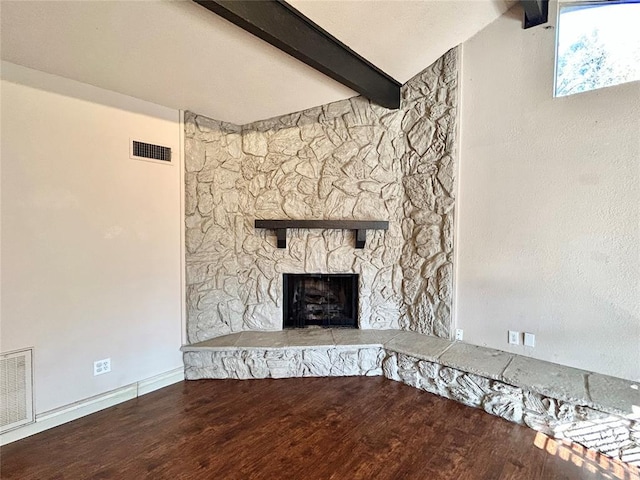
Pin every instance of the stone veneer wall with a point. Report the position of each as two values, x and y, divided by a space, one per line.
346 160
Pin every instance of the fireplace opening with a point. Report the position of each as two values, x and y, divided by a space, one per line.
326 300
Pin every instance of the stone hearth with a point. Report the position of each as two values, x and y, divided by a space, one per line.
597 411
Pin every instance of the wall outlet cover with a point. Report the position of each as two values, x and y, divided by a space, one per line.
459 334
101 366
529 340
514 337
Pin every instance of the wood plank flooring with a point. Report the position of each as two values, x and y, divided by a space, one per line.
303 428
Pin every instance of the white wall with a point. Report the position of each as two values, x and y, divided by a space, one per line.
549 206
90 238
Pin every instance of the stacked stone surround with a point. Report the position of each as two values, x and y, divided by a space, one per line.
348 160
594 410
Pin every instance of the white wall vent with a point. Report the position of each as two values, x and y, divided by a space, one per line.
16 389
149 151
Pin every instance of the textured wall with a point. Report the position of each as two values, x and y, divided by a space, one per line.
346 160
90 238
549 208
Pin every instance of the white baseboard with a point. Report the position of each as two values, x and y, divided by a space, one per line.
53 418
165 379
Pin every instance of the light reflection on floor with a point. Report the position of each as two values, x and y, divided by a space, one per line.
582 457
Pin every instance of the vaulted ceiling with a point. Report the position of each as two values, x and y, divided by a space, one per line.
178 54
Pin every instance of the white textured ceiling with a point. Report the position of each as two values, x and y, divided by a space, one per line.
402 37
182 56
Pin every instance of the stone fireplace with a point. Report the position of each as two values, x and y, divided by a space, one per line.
353 161
350 160
324 300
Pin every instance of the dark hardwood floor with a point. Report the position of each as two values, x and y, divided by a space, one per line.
311 428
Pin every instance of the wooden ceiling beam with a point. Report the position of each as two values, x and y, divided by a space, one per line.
536 12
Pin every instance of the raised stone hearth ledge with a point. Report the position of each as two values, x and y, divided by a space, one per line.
598 411
602 392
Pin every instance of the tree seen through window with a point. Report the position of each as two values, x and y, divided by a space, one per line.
598 46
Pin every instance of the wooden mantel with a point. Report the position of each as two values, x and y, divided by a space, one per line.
360 226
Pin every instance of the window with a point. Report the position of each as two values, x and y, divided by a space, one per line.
598 45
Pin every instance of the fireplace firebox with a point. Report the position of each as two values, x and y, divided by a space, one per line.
326 300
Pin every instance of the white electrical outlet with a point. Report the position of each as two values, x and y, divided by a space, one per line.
101 366
514 337
459 334
529 339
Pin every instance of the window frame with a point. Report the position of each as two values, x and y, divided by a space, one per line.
564 4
